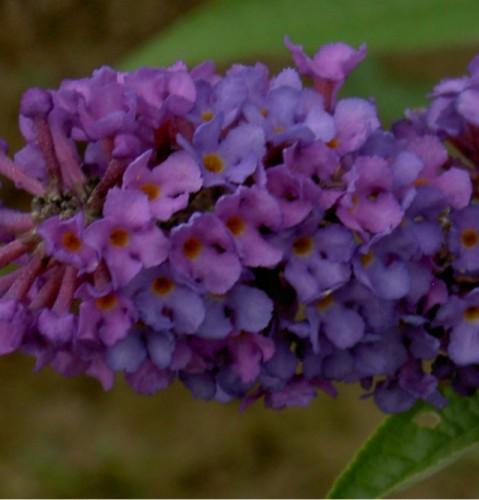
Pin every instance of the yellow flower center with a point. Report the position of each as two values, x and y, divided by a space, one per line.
213 163
206 116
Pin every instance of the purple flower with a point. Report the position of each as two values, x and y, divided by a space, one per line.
290 192
101 104
329 67
159 91
462 317
65 240
167 185
342 326
370 203
126 237
250 214
464 239
201 385
318 260
355 120
454 183
203 253
288 114
163 304
248 351
161 347
127 354
244 308
225 98
149 379
14 322
298 392
319 170
228 160
104 317
386 274
381 356
391 398
57 328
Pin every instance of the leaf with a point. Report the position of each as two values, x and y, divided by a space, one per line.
239 30
409 446
392 97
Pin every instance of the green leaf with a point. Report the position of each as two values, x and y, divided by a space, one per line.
238 30
391 96
409 446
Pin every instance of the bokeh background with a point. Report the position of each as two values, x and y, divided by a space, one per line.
66 437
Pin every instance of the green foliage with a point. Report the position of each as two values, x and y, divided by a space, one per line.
227 30
409 446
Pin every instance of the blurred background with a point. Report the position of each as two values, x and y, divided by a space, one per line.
66 437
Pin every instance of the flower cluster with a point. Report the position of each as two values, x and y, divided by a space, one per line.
246 234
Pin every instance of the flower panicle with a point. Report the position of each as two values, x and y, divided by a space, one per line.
247 234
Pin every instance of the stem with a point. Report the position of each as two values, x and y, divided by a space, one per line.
101 277
72 173
114 172
67 289
26 277
21 180
7 280
12 251
15 221
45 143
46 294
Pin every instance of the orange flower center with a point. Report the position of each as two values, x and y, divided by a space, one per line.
235 224
119 238
162 286
421 181
213 163
324 303
333 143
471 314
71 241
107 303
469 238
192 248
303 245
151 190
366 259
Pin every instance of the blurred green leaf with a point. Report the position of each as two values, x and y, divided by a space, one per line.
391 96
227 30
410 446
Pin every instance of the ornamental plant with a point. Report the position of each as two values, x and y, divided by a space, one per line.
253 236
